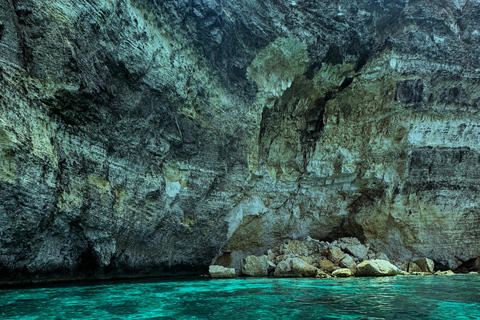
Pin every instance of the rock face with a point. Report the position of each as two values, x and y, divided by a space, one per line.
376 268
152 137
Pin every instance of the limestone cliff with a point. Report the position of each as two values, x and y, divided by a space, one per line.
147 137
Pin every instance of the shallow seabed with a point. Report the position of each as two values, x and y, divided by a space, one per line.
402 297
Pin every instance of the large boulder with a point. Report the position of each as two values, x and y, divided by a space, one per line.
426 265
328 266
376 268
348 262
295 267
221 272
343 273
255 266
335 254
352 246
413 267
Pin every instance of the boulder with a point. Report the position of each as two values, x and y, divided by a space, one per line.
426 265
255 266
295 247
381 256
295 267
328 266
335 254
403 266
376 268
321 274
221 272
271 255
413 267
342 273
352 246
348 262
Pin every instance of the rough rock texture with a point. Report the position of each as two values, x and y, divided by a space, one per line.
342 273
426 265
376 268
221 272
296 267
255 266
148 137
413 267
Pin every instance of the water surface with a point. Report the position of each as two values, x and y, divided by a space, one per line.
402 297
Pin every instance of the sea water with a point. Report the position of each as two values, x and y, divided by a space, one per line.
401 297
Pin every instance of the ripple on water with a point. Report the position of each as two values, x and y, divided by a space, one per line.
434 297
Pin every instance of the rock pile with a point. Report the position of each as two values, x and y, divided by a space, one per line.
344 257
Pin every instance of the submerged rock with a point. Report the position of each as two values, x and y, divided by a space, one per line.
376 268
221 272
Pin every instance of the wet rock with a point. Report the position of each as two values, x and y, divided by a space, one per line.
321 274
376 268
426 265
421 273
221 272
256 266
444 273
342 273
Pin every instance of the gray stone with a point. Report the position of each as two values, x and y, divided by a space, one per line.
255 266
335 254
221 272
328 266
426 265
348 262
376 268
343 273
413 267
295 267
352 246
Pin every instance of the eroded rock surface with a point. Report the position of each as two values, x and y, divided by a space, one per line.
152 137
376 268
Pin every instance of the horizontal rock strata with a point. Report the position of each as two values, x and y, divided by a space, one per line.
144 137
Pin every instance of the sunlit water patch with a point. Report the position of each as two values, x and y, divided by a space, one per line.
402 297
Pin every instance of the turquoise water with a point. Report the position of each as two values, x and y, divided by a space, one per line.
402 297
